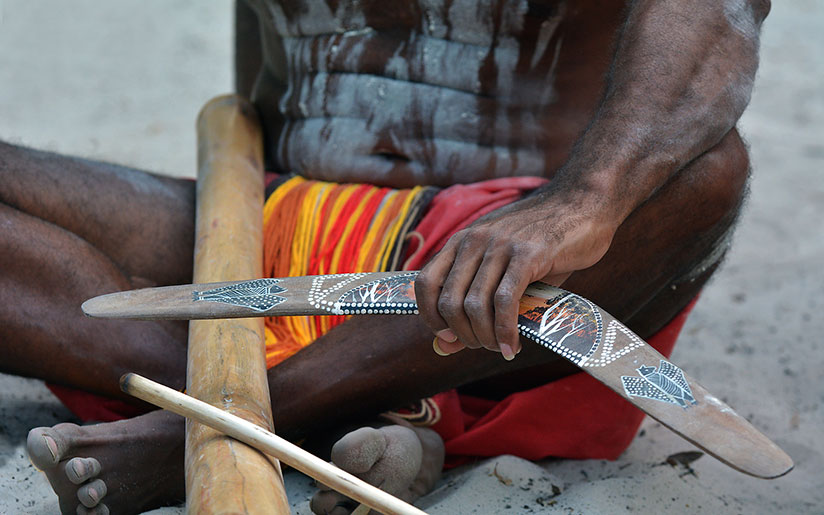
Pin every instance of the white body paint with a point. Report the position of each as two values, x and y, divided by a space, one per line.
455 73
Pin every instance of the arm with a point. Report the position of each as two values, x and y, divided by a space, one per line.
681 76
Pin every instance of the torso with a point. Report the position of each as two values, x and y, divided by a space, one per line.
429 91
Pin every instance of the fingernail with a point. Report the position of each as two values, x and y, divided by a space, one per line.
447 335
506 350
437 349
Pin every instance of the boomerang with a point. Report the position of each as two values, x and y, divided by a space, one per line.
560 321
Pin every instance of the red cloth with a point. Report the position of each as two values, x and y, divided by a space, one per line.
89 407
456 207
574 417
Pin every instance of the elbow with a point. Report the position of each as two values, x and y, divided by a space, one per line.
746 16
757 9
760 9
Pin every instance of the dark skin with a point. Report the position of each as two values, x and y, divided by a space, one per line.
635 127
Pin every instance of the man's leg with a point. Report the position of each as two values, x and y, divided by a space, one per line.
363 367
72 229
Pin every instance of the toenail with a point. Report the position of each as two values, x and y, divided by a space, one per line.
51 445
79 467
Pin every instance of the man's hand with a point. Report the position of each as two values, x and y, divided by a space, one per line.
469 293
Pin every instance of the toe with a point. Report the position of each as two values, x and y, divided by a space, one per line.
358 451
400 462
43 447
91 494
80 470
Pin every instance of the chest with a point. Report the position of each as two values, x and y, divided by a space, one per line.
479 22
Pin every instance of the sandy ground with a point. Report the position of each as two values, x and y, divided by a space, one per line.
122 81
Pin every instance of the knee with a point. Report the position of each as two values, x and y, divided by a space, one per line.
723 174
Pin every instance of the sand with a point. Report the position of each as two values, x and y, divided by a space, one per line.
123 81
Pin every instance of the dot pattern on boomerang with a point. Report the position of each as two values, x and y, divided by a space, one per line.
571 325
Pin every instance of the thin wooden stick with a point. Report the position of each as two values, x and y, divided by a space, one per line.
267 442
226 361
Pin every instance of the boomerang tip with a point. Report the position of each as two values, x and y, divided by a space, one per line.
745 449
103 306
750 451
789 467
93 307
780 465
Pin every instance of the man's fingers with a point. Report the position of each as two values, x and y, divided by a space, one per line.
469 293
451 303
479 304
428 289
506 300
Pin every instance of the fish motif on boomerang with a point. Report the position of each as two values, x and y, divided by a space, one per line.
572 326
257 294
389 295
666 384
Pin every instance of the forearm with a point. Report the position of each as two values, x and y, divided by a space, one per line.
681 76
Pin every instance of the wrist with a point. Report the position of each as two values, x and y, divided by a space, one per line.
595 193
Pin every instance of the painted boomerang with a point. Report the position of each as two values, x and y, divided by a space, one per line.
563 322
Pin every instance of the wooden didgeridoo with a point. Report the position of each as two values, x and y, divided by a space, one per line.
226 359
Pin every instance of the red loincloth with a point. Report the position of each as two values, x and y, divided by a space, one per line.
573 417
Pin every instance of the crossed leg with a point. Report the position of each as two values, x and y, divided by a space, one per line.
77 229
72 229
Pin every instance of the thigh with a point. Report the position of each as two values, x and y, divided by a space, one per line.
143 222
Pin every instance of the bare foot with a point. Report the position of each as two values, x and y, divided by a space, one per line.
128 466
404 461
